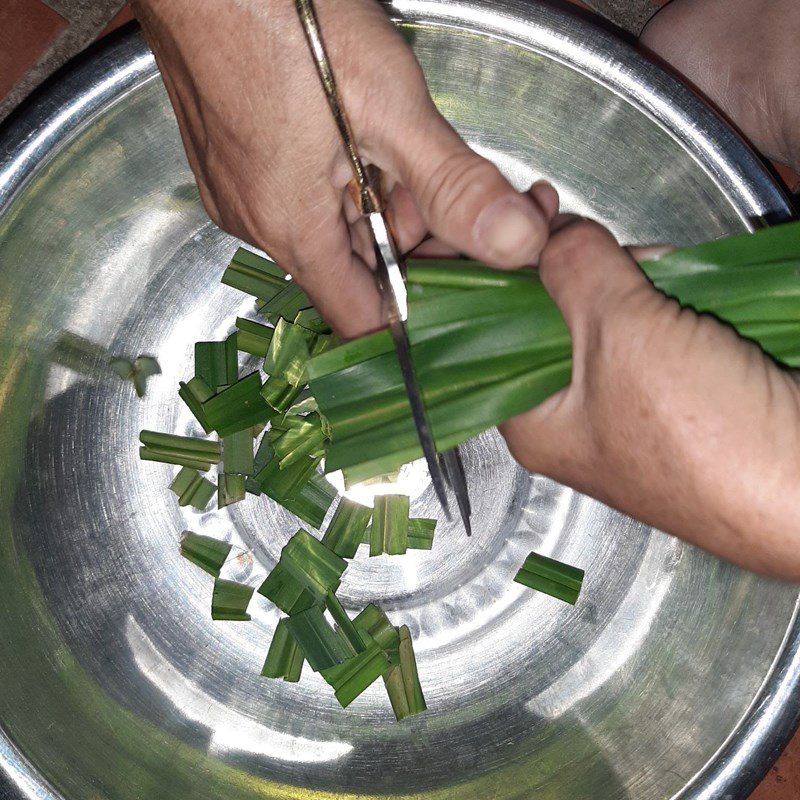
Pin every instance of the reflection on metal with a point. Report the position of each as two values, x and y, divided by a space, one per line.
113 676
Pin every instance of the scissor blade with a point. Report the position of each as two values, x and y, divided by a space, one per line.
393 289
454 470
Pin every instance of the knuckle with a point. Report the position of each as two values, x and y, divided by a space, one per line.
458 178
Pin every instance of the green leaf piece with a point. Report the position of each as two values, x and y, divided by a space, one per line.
402 680
238 407
284 658
237 453
295 437
192 488
231 489
194 394
217 362
309 318
389 532
552 577
315 567
420 533
229 601
344 623
279 394
321 645
287 592
285 484
372 624
312 501
285 305
352 677
252 337
254 275
183 451
347 528
288 352
205 552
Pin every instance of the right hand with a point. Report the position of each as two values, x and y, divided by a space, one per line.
272 170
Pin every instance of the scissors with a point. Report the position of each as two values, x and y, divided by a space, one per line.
445 468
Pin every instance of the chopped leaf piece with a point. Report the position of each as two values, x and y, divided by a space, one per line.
288 352
216 362
284 658
322 646
280 394
420 533
551 577
310 318
206 552
285 484
344 623
315 567
350 678
192 488
230 600
296 437
237 453
194 394
253 337
286 304
185 451
283 589
373 625
312 501
255 275
347 528
402 680
231 489
238 407
389 533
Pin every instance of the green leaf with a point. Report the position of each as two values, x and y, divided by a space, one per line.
230 600
284 658
288 352
230 489
205 552
192 488
420 533
184 451
279 394
315 567
551 577
194 394
389 532
372 624
237 453
252 337
402 680
216 362
309 318
252 274
353 676
285 484
286 591
321 645
238 407
344 622
294 438
285 305
347 528
312 501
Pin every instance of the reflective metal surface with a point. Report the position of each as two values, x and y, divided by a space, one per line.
675 675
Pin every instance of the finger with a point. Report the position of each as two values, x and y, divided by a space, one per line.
547 197
462 197
586 272
338 282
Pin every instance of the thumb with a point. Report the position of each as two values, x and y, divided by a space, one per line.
587 273
463 198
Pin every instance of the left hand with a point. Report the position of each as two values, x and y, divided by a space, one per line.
670 416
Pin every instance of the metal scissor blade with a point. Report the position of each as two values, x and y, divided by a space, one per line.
393 289
454 471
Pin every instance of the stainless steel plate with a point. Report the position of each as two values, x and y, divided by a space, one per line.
675 675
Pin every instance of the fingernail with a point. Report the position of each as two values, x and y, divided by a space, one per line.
509 230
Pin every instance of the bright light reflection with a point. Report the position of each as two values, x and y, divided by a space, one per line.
413 479
230 731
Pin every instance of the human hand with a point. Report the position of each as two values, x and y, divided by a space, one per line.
271 169
670 416
742 54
